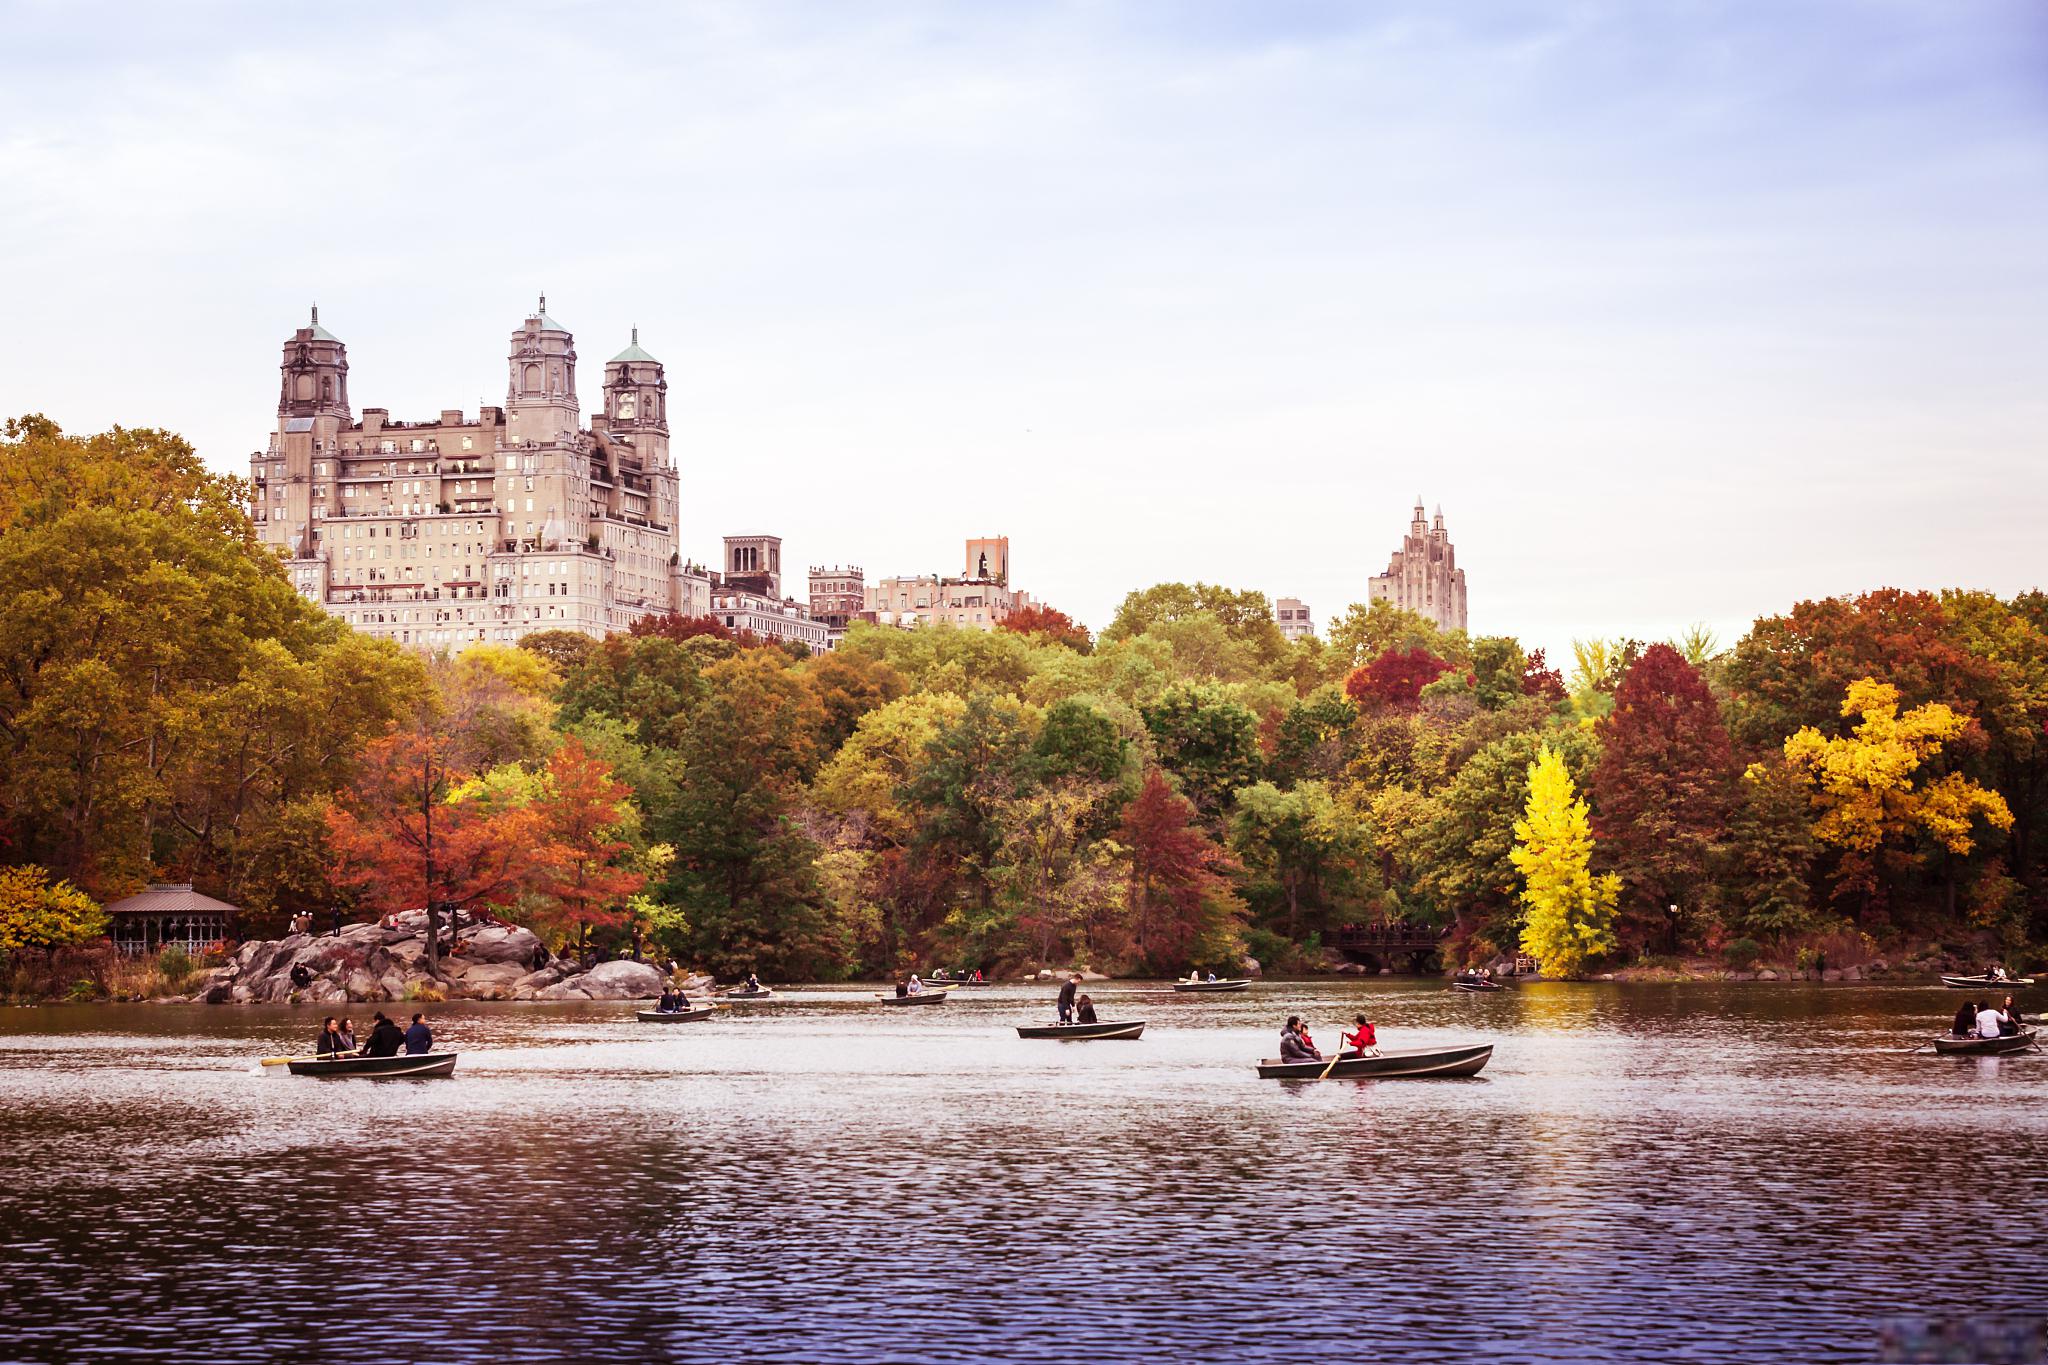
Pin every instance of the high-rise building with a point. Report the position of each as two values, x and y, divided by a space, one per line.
980 598
444 532
1423 575
1296 621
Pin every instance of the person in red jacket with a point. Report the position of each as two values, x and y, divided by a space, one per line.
1365 1038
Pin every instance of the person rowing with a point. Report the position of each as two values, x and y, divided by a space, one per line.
1365 1039
385 1039
913 986
2013 1020
753 982
1295 1044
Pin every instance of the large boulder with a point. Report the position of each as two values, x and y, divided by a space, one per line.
608 981
502 943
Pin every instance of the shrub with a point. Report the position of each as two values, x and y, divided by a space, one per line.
1742 953
424 993
83 989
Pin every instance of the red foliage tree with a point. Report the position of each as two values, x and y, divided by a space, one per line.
395 839
577 867
1048 623
1180 890
1395 678
677 627
1541 680
1662 794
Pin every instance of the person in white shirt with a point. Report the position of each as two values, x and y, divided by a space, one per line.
916 987
1988 1021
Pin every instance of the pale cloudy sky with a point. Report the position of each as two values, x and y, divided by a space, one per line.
1682 311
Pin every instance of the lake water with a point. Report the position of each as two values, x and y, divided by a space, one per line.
1642 1173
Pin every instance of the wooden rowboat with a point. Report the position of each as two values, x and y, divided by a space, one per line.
1987 983
763 994
1130 1028
1474 984
1240 984
929 997
1410 1063
404 1064
676 1016
1985 1047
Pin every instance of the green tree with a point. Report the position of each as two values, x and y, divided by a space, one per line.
1245 615
1208 741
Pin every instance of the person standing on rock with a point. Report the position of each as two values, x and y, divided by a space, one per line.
419 1039
1067 990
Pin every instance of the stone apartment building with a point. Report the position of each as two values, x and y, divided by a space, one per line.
1423 575
1295 618
444 532
748 595
979 599
838 595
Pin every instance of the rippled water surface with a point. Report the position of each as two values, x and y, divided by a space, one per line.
1654 1173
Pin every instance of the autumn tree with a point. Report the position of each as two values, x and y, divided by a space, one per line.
400 843
1207 740
1570 910
849 686
1395 679
1049 624
1662 794
1245 615
582 863
1183 906
39 914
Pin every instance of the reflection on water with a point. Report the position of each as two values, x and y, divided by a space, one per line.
1704 1173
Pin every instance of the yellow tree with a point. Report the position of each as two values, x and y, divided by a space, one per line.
1571 911
1864 785
37 913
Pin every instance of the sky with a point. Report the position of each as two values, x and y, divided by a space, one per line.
1683 312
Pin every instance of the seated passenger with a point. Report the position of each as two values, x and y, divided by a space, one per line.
1990 1022
1084 1011
1294 1046
1965 1021
330 1038
2013 1023
385 1038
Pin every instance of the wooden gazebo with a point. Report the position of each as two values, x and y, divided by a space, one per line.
168 913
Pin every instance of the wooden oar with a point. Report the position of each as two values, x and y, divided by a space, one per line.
1335 1057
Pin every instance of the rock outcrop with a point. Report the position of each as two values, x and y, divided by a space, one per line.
370 962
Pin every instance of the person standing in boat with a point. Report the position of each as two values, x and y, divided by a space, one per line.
1366 1039
385 1038
419 1039
1294 1043
1084 1010
1965 1023
1066 1001
330 1038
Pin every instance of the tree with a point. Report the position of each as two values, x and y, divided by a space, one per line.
400 843
1208 741
651 682
1363 633
1182 905
1571 911
564 650
1048 624
1078 740
40 914
582 863
848 687
1662 793
1245 615
1769 854
1311 850
1865 785
974 769
1395 679
1056 885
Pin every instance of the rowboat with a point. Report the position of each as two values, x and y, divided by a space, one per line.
1474 984
1391 1064
1080 1032
1985 1047
1986 983
929 997
763 994
676 1016
1241 984
405 1064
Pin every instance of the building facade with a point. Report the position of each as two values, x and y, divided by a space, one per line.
1423 575
448 531
1296 621
748 595
838 596
979 599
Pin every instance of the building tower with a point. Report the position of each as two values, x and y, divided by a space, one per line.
540 399
636 402
312 412
1423 575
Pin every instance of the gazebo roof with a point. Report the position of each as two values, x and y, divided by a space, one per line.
170 898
